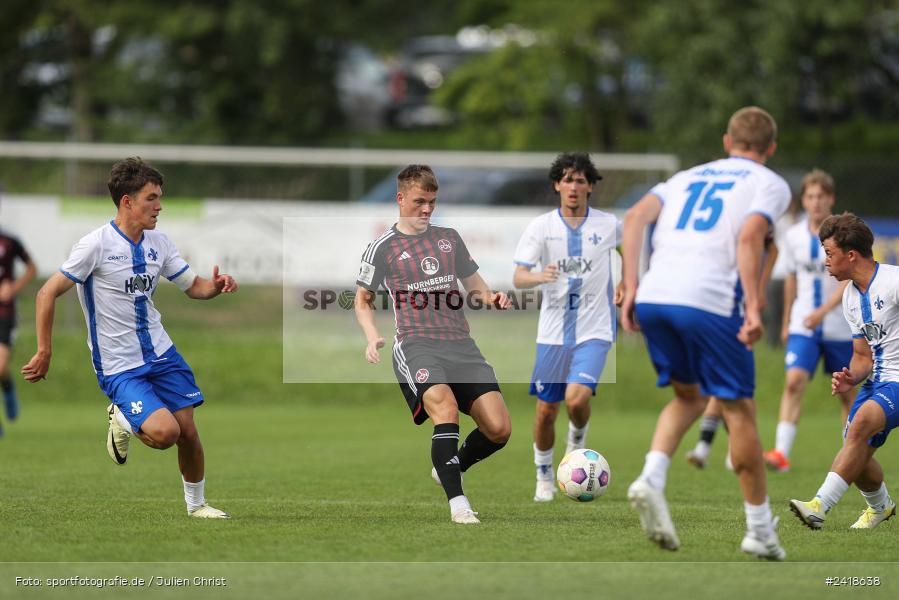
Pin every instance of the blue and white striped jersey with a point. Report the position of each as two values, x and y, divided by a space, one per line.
116 280
874 316
579 305
804 258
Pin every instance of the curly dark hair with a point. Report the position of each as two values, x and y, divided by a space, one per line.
129 176
848 232
579 162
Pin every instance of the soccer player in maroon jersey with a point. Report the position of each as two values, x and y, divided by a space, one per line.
438 366
10 286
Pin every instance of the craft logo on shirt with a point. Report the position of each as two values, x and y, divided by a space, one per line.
153 254
430 265
444 245
574 265
118 257
139 283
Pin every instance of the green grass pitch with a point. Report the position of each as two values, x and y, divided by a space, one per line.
331 496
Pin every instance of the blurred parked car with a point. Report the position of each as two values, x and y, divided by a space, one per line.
362 87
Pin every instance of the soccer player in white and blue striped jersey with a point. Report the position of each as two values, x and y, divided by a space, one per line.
814 328
699 309
574 246
871 306
117 267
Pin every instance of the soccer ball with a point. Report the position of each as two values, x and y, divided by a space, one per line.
584 475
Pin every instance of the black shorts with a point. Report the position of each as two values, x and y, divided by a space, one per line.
420 362
7 330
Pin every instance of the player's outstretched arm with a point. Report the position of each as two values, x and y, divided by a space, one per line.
476 286
44 308
206 289
858 371
10 289
750 245
637 218
365 315
524 278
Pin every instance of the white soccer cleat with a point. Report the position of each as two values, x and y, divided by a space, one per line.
118 438
811 513
546 490
655 519
696 459
872 518
208 512
466 516
768 548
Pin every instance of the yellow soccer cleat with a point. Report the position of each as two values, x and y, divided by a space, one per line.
811 513
872 518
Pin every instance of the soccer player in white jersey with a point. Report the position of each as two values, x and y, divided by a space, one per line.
698 308
814 327
871 306
573 244
117 267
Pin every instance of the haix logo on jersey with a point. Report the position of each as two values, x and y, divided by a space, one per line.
873 332
574 265
814 267
153 254
139 283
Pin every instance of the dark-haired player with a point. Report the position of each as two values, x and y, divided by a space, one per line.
117 267
574 246
440 369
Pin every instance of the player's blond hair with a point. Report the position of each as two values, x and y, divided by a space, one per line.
818 177
752 128
420 175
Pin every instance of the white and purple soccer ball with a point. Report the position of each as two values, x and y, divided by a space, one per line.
584 475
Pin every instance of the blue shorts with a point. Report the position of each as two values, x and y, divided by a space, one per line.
167 382
693 346
558 365
884 393
804 352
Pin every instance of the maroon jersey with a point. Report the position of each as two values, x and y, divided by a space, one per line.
421 273
10 249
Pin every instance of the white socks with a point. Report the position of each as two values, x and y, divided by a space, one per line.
544 461
759 519
879 499
655 469
784 437
194 494
576 435
458 503
831 490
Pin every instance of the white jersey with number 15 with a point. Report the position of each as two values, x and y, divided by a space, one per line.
694 243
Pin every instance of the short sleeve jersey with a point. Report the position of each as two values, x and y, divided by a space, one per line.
694 242
874 315
804 258
579 305
10 249
421 273
116 280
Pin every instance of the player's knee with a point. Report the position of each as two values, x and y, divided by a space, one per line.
547 412
167 435
500 431
795 387
577 402
188 435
